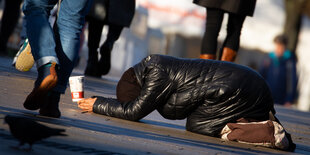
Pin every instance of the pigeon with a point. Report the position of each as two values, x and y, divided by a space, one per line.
30 131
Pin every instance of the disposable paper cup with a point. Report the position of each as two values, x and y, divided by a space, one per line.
77 87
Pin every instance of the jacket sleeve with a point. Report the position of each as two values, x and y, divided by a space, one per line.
154 92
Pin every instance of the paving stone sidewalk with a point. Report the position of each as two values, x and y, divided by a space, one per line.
90 133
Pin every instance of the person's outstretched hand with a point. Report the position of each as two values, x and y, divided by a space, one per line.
87 104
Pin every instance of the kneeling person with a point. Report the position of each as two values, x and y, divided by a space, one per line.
214 96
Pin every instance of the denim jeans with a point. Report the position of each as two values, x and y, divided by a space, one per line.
61 43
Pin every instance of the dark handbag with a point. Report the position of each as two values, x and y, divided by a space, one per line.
98 9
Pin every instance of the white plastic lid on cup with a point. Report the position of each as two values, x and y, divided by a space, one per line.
76 87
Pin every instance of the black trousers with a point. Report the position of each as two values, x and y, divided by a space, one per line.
95 28
9 20
293 22
213 26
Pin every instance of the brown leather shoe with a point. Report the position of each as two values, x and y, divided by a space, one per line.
207 56
228 55
38 96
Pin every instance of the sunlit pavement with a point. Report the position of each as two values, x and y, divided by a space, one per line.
90 133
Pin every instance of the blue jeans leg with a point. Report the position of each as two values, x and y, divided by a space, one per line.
68 28
39 31
61 44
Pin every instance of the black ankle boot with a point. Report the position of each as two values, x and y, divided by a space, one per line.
51 108
92 64
105 60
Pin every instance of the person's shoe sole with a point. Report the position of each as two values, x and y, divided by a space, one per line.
38 95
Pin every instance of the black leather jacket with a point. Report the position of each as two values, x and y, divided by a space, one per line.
208 93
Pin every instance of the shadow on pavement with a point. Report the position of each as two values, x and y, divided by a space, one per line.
65 121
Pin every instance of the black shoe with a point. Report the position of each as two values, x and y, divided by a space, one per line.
3 48
104 64
92 63
91 69
51 108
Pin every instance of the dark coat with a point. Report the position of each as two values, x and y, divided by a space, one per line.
280 74
117 12
208 93
242 7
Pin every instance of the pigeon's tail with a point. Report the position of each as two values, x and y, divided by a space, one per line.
59 132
